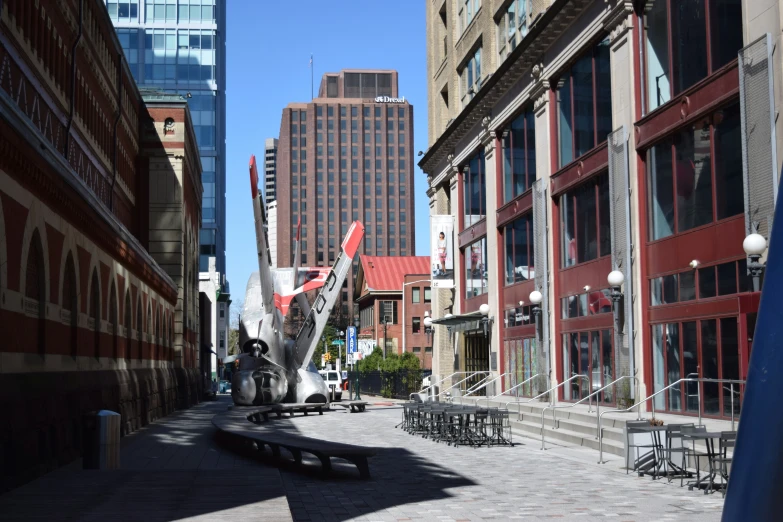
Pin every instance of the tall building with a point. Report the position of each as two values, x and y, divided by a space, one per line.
571 139
100 204
179 46
351 148
271 223
270 171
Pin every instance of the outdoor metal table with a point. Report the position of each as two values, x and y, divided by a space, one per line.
708 437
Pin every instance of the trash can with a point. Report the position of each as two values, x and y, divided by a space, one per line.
101 440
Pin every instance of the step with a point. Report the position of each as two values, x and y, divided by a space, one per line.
563 436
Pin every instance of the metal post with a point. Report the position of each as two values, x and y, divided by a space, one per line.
732 406
755 268
536 319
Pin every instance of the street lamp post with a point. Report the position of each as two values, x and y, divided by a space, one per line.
535 299
755 245
615 280
385 325
428 327
357 397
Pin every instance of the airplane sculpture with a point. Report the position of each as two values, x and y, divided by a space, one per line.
270 368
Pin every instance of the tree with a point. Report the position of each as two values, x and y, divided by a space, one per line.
330 335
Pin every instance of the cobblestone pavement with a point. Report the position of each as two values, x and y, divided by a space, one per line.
417 479
175 469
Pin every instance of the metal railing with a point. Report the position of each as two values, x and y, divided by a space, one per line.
471 375
597 406
638 405
510 389
479 385
433 385
577 376
472 391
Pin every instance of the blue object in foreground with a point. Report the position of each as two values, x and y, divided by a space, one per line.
756 479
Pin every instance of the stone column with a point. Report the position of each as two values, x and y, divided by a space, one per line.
540 93
624 83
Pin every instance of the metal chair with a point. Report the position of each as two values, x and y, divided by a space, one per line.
721 462
674 436
692 453
632 428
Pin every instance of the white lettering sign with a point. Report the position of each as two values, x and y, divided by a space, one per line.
387 99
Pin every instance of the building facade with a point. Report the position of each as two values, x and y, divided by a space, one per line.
100 204
179 46
392 295
214 319
270 171
576 137
351 148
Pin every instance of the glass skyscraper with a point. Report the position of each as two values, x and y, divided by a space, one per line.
179 46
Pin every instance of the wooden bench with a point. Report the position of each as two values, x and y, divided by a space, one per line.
355 406
246 423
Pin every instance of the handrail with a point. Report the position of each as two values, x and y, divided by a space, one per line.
639 404
433 385
480 384
577 376
486 384
555 407
473 374
510 389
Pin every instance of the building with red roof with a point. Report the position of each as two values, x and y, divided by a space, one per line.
392 294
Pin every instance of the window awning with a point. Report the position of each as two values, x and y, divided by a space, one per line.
461 323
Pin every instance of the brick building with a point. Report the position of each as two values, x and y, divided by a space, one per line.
346 156
573 138
395 291
100 206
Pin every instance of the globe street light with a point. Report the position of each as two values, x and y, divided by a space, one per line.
755 245
485 319
535 299
428 326
615 280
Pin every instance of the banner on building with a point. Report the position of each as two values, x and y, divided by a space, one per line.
350 340
366 346
442 251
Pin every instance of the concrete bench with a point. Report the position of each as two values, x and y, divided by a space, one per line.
357 406
246 423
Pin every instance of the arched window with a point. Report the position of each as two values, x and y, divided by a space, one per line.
128 325
113 313
150 331
138 329
157 332
70 301
35 291
95 312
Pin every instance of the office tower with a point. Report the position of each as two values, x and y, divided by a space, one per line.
346 155
179 46
270 170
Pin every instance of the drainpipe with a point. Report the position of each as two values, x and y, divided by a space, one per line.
116 123
73 80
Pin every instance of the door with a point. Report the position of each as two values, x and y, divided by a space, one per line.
476 358
589 354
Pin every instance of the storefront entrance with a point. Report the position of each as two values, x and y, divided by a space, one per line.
521 365
476 357
591 354
708 348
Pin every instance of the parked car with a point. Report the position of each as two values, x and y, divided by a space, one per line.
333 380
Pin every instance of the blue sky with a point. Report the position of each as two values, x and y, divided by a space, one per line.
268 47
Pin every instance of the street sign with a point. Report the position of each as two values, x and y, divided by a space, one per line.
350 337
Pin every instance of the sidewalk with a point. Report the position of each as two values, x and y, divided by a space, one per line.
171 470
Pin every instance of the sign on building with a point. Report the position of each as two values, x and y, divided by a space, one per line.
442 251
366 346
350 340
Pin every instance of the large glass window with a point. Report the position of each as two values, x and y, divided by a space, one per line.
584 222
703 35
704 283
476 268
682 174
512 27
709 349
475 194
518 236
467 10
521 364
470 77
584 104
593 302
519 156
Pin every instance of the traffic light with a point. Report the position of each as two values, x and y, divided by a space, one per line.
328 357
